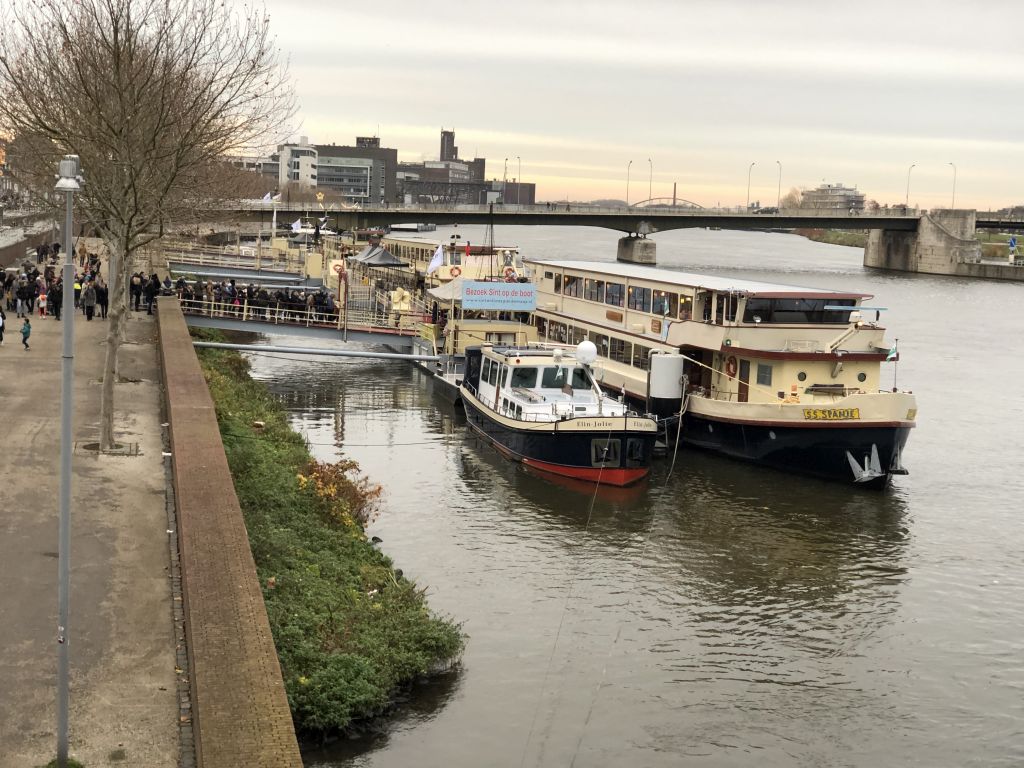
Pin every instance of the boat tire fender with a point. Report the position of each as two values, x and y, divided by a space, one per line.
456 271
730 366
510 273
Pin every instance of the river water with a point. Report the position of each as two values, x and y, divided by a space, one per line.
719 615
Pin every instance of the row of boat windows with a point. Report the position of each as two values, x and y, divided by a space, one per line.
795 311
638 298
609 347
551 377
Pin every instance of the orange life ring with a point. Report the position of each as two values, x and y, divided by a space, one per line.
510 273
456 271
730 366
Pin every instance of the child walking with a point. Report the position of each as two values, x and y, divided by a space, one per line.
26 331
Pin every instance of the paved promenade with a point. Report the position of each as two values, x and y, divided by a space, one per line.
124 708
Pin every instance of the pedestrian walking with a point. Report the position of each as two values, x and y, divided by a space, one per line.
3 321
56 298
42 305
89 300
26 331
102 298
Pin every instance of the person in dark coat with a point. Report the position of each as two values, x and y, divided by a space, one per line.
89 300
102 298
152 291
55 298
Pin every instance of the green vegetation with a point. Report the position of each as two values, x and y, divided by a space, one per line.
835 236
350 631
994 245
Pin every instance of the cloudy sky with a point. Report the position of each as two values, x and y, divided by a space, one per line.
693 91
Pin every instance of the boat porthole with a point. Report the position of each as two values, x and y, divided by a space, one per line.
711 428
771 433
801 376
862 376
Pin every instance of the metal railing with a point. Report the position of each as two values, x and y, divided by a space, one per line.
279 313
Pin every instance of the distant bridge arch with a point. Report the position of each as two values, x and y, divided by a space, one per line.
668 203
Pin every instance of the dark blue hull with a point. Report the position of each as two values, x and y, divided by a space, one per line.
613 457
866 456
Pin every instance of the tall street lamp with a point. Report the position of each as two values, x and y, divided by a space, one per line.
749 170
952 203
650 179
906 200
519 182
628 166
504 178
778 194
68 184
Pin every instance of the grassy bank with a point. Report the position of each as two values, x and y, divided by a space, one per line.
350 631
835 236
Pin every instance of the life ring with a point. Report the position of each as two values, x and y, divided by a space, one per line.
730 366
339 268
456 271
510 273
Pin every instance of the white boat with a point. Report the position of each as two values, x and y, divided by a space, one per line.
543 408
784 376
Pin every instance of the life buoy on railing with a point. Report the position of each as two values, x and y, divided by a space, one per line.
510 273
730 366
456 271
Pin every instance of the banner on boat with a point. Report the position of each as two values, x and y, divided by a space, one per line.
480 294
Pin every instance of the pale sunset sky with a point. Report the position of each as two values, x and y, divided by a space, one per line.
691 92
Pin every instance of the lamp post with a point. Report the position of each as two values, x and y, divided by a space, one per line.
778 194
749 170
628 165
519 183
504 179
68 184
952 203
906 200
650 179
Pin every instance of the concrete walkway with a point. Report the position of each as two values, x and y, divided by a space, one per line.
124 708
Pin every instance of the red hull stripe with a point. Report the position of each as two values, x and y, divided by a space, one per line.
617 477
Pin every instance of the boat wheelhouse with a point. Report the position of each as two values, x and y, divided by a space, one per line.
785 376
542 407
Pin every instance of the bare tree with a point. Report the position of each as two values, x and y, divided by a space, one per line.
153 96
791 199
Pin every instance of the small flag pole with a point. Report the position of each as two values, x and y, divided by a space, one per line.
895 363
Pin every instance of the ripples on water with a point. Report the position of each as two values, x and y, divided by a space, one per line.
725 615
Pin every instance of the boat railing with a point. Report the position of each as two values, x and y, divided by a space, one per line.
532 417
279 313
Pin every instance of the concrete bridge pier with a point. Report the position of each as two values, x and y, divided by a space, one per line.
944 244
637 250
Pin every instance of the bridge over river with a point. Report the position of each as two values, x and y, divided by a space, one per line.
904 239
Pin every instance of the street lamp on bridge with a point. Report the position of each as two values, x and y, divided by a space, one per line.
952 203
519 180
778 194
628 166
650 179
906 200
749 170
504 179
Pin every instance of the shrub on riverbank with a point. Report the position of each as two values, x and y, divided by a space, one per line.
350 632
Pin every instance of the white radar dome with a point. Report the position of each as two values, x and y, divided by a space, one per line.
586 352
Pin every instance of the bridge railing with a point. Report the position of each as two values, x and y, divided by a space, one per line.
247 257
562 208
376 317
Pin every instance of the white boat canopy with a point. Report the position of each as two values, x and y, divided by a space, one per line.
450 291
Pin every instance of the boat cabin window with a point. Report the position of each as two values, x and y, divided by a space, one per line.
726 305
797 311
572 286
664 303
593 290
555 378
685 307
641 357
639 298
764 375
485 371
524 377
620 351
558 283
614 294
492 376
549 275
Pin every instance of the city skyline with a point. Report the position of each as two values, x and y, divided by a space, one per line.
692 96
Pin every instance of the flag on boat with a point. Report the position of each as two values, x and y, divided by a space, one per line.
438 260
323 222
276 198
267 197
296 225
893 354
467 248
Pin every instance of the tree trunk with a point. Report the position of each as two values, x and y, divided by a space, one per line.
115 320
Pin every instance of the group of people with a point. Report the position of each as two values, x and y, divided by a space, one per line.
235 296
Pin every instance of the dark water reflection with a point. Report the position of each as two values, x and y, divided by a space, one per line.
720 616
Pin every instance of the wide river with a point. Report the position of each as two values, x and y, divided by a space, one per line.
719 615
